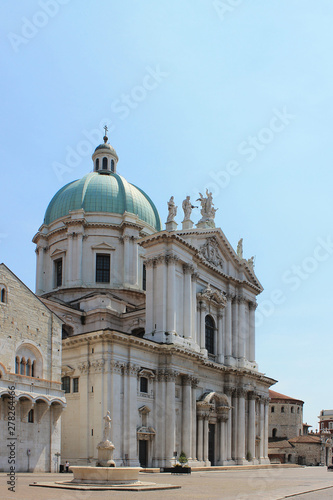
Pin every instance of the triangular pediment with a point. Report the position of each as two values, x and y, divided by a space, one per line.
215 250
57 251
103 246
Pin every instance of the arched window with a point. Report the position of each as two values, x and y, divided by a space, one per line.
22 370
291 409
31 417
272 409
282 409
105 163
210 334
3 295
28 368
17 364
112 165
274 432
33 368
97 163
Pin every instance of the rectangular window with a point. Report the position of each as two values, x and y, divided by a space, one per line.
143 384
66 384
102 268
58 272
75 385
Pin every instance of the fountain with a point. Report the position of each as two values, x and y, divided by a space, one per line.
105 476
106 471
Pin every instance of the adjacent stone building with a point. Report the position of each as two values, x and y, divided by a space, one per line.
285 416
289 439
159 326
30 370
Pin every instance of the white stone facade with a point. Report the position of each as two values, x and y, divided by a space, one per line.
30 369
166 343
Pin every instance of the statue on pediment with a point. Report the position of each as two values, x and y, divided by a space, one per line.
240 248
172 210
187 207
207 210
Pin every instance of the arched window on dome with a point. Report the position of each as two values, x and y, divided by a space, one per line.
210 334
97 164
112 165
105 163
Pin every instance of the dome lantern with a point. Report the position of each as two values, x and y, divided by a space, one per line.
105 157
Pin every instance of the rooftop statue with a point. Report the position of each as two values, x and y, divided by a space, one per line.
172 208
187 207
207 210
240 248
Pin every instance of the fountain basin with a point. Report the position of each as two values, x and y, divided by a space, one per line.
105 475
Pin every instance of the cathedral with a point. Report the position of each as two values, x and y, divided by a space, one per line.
158 326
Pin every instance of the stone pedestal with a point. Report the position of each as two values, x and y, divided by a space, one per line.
187 224
171 226
105 454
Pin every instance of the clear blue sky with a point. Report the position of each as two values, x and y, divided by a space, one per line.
196 93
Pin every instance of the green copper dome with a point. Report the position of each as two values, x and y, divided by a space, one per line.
103 193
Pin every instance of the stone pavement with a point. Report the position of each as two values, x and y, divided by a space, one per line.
304 483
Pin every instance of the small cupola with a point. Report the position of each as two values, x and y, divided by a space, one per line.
105 157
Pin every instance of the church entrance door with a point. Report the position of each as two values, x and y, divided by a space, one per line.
211 444
143 453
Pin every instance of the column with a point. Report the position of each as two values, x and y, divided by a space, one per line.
126 241
228 330
186 434
160 297
220 354
40 270
187 318
170 416
116 427
149 263
130 419
241 426
79 249
234 434
252 355
222 443
160 419
241 329
69 261
171 293
200 423
134 261
261 428
194 383
235 328
266 409
251 425
228 393
205 438
194 307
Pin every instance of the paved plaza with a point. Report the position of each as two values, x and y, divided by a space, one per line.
304 483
